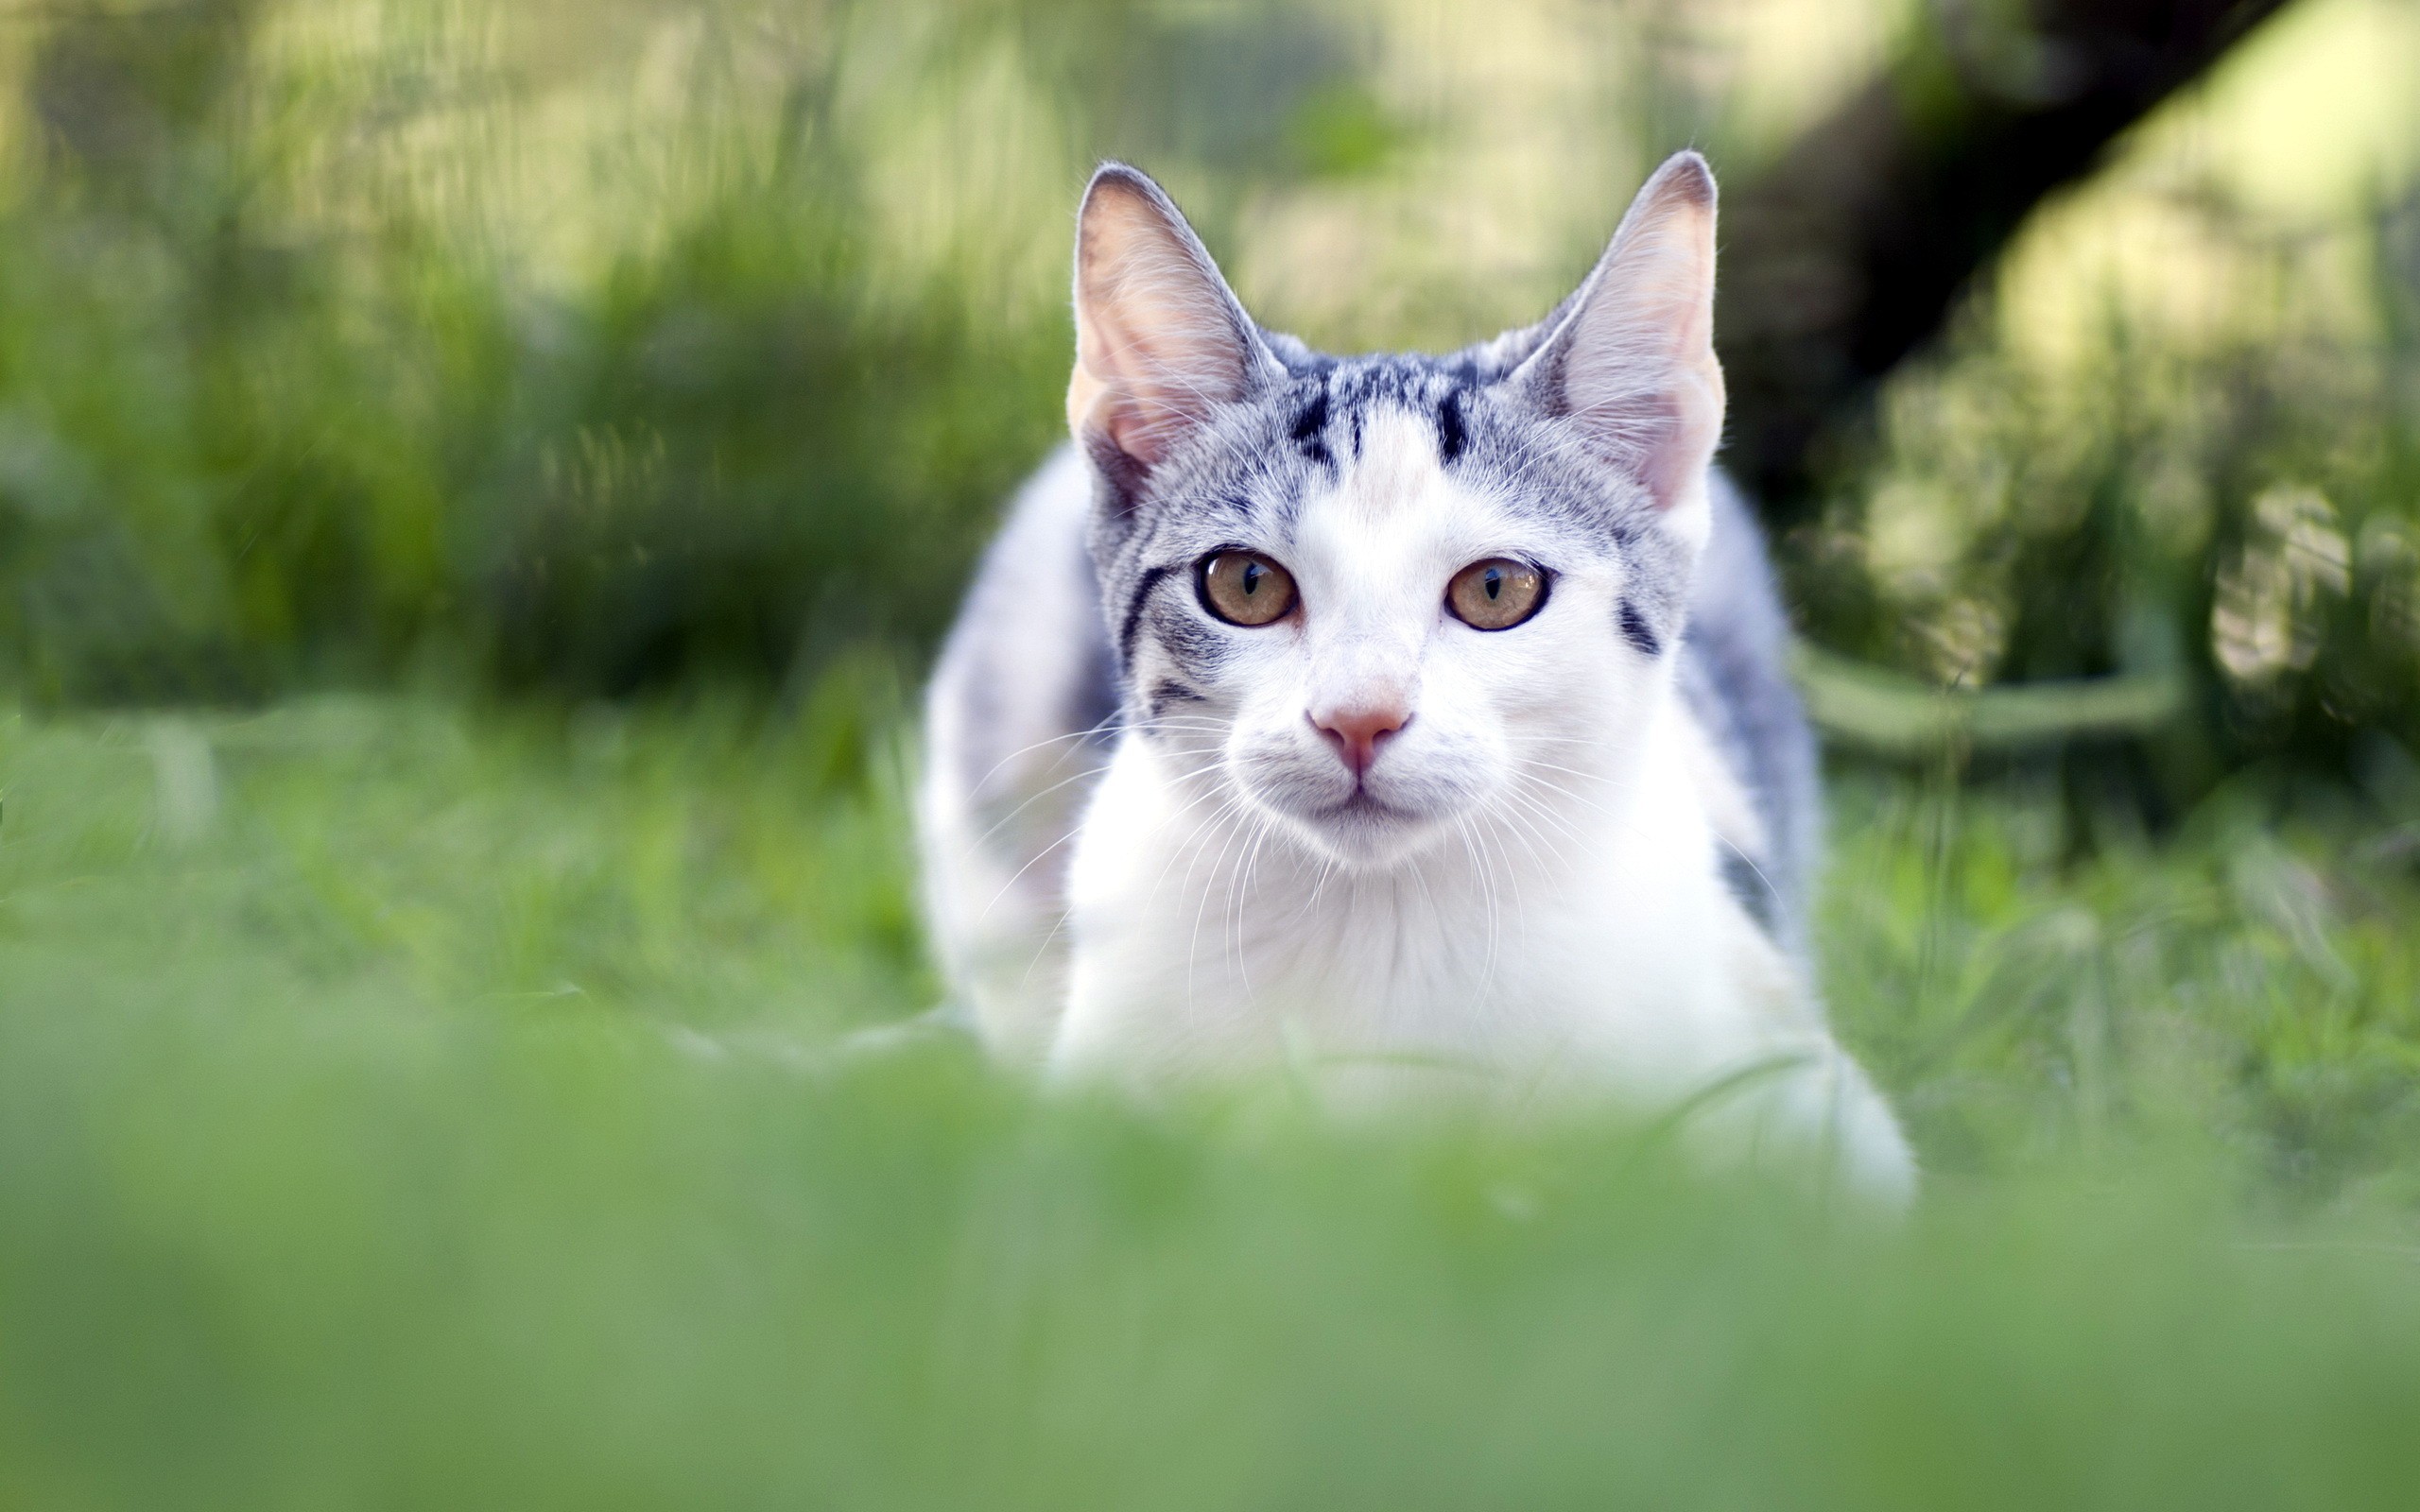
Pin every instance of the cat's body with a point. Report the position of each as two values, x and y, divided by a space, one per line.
1385 824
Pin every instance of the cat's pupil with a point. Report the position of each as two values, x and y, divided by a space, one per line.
1251 577
1495 582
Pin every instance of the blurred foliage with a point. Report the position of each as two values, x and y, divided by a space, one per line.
239 450
2238 504
597 349
591 347
407 1100
408 1105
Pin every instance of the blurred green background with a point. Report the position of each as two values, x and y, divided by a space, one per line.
477 485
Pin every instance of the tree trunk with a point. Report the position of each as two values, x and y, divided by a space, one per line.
1847 254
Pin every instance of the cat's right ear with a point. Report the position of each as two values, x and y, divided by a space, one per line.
1161 341
1630 361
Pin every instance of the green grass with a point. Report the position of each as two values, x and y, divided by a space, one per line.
407 1104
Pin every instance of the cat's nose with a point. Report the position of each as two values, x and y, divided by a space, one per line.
1355 733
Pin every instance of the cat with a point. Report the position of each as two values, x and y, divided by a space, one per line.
1419 721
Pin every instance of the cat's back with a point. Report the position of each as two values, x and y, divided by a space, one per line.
1017 726
1734 679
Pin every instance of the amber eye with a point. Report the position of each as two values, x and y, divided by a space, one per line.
1245 587
1495 594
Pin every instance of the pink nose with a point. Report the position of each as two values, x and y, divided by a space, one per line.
1355 733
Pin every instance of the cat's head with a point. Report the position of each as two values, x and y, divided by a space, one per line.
1379 598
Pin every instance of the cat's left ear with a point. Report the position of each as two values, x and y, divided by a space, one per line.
1631 362
1161 341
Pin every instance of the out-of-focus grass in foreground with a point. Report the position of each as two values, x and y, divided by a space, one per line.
412 1106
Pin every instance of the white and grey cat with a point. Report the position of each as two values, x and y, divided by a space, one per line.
1402 718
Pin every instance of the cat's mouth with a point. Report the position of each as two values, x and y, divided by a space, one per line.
1364 806
1365 829
1359 821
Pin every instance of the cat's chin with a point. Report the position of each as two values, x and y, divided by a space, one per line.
1365 832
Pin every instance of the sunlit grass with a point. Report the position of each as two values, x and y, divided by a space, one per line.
407 1104
2248 986
706 868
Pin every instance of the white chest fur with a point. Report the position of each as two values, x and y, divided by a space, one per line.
1592 947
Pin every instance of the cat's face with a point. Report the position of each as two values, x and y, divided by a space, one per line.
1394 602
1313 620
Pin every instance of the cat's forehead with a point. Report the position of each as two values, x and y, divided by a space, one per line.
1333 405
1396 473
1389 440
1383 444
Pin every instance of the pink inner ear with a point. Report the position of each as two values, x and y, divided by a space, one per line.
1692 427
1656 415
1635 364
1167 363
1159 341
1140 424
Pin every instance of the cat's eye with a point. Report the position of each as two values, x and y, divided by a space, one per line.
1245 587
1495 594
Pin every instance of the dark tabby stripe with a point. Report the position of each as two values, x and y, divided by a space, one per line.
1310 429
1747 884
1168 692
1451 437
1135 603
1638 632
